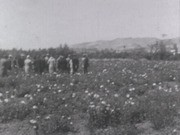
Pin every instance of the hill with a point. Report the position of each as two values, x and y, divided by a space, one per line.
124 43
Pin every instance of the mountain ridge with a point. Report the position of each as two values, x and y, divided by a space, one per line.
125 43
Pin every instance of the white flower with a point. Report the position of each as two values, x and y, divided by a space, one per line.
96 96
101 86
34 107
30 98
6 100
91 103
38 90
107 91
12 96
26 95
59 91
127 95
116 95
104 70
86 91
112 83
7 92
71 84
33 121
38 85
73 95
47 117
91 106
23 102
1 94
175 130
103 102
160 87
44 99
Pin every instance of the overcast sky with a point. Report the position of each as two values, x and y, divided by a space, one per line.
48 23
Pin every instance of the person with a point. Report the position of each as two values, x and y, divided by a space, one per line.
51 63
85 63
75 62
36 64
21 60
27 64
10 62
68 63
39 64
71 70
3 66
46 58
61 64
42 64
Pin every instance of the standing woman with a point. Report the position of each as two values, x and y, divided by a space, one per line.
27 64
52 65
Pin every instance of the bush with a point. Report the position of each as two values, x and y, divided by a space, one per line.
12 111
56 124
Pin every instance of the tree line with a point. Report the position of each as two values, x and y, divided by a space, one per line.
156 51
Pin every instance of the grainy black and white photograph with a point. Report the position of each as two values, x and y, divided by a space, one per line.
89 67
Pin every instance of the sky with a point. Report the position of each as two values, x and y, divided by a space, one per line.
32 24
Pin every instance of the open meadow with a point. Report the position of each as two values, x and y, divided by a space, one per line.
116 97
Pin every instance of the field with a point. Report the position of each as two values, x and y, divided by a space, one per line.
116 97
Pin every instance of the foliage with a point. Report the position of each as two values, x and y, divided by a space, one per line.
115 93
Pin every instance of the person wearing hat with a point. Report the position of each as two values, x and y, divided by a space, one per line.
27 64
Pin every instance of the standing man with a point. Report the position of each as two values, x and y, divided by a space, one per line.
85 63
10 62
75 61
21 61
46 58
3 66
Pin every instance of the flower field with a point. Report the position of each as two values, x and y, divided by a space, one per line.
116 97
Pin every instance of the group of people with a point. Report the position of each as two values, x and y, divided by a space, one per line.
40 64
